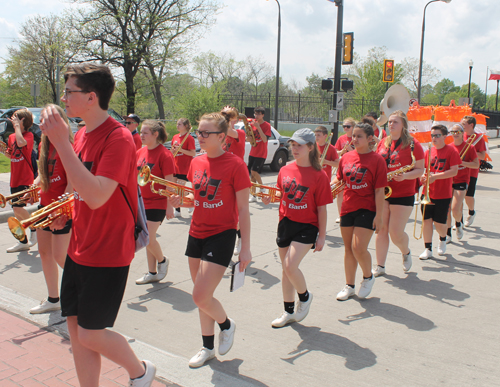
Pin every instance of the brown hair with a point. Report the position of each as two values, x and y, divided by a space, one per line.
442 128
91 77
321 129
229 113
28 118
218 119
44 151
368 120
406 137
185 122
314 156
260 109
470 120
156 127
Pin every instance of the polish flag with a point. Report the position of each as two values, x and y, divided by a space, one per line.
494 75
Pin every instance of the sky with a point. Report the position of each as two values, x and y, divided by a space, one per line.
455 33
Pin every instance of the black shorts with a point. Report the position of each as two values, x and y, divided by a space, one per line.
404 201
460 186
359 218
471 190
439 211
65 230
93 294
17 189
290 231
255 164
156 215
181 177
216 248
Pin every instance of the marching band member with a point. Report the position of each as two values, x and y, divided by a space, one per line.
332 158
364 173
470 162
102 241
397 150
469 123
378 131
235 139
20 146
53 241
344 145
185 153
444 162
221 188
161 162
132 122
305 194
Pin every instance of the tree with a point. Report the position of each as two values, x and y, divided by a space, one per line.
257 71
443 87
410 70
199 101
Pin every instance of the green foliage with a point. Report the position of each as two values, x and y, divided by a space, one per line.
199 101
4 164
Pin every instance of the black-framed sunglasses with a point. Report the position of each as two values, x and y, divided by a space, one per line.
204 133
67 92
436 135
347 126
129 122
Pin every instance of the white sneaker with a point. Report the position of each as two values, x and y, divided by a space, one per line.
237 247
147 379
303 309
448 239
426 254
162 269
284 319
337 220
460 232
378 271
442 247
345 293
147 279
33 239
45 306
252 199
407 262
19 247
454 227
177 214
366 287
226 338
201 357
190 210
470 219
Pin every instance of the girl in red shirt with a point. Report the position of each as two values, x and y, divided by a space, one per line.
305 192
364 173
397 150
221 188
161 162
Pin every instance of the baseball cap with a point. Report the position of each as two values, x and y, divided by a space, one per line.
303 136
135 117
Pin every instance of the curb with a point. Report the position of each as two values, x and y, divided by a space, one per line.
4 215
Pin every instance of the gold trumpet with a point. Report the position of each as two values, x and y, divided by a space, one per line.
426 201
325 151
400 171
33 193
182 143
3 148
171 188
337 188
43 217
266 191
248 129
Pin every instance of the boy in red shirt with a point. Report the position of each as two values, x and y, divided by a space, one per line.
331 158
132 122
102 243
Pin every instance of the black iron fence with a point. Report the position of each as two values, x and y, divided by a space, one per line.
493 122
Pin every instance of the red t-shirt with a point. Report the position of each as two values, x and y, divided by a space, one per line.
215 183
57 177
342 141
396 158
331 155
161 163
104 237
137 139
377 132
479 147
442 160
260 149
183 161
236 145
21 172
303 189
363 174
463 175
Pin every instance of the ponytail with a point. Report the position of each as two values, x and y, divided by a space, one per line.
314 156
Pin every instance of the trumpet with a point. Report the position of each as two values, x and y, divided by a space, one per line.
400 171
182 143
325 151
426 201
43 217
266 191
33 193
171 188
248 129
337 188
3 148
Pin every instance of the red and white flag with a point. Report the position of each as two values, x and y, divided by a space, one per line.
494 75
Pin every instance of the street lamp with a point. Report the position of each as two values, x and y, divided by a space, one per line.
471 63
278 69
422 49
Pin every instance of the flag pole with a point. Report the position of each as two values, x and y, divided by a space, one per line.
496 104
486 88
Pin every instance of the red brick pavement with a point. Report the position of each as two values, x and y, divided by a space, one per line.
34 357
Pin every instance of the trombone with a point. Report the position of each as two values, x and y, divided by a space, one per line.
426 201
171 188
471 141
33 192
182 143
325 151
266 191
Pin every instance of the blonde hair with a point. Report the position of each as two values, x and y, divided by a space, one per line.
156 127
405 137
217 119
229 113
351 121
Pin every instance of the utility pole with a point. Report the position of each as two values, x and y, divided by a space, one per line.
338 66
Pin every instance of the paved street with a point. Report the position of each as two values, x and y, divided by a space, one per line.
436 325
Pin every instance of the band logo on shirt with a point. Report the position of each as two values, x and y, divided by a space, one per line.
390 158
438 164
207 187
17 154
355 174
294 192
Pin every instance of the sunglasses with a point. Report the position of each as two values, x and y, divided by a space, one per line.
455 131
347 126
129 122
436 135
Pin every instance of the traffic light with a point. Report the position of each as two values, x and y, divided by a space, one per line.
388 70
348 48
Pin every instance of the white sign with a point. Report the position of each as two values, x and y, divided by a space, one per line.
35 90
340 101
332 115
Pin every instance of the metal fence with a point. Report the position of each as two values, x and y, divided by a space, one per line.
493 120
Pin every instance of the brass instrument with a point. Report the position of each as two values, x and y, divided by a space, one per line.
43 217
171 188
325 151
426 201
400 171
337 188
471 141
248 129
266 191
3 148
33 193
182 143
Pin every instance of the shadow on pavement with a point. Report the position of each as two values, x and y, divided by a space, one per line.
477 233
452 265
261 276
25 258
231 367
179 299
314 339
